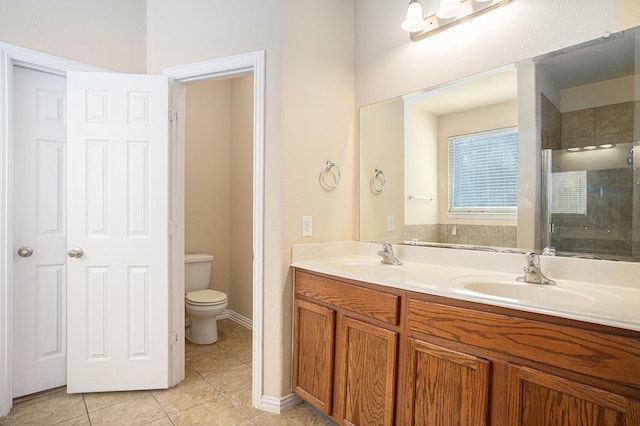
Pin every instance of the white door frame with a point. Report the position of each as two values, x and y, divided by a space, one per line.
228 67
220 68
9 56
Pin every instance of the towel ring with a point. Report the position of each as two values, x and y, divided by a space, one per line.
326 171
378 175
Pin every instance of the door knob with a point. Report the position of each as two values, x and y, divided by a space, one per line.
75 252
25 251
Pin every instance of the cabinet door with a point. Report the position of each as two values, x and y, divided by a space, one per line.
313 350
538 398
367 371
445 387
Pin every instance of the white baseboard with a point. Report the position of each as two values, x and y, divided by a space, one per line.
236 317
278 405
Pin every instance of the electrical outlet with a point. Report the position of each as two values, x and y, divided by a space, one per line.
307 226
391 223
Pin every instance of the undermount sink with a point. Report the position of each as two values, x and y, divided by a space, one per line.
561 294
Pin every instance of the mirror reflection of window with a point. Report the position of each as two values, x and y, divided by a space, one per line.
569 192
483 173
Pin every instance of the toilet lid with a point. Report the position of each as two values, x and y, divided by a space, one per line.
206 296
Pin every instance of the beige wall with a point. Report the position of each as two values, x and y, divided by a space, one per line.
317 125
421 167
218 184
309 120
208 29
388 64
241 199
608 92
382 130
108 34
207 175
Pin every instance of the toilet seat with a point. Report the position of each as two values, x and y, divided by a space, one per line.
206 297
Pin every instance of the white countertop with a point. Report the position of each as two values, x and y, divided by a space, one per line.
606 304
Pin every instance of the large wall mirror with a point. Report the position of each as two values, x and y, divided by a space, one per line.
445 165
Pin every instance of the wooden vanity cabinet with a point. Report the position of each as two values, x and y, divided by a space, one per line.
445 387
371 355
314 345
539 398
346 344
505 367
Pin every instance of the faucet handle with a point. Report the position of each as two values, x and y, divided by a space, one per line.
533 259
386 246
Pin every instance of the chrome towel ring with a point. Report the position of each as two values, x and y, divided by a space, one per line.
378 181
328 171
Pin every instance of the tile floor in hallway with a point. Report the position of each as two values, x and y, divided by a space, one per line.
216 391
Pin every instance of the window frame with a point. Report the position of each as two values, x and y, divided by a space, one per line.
490 213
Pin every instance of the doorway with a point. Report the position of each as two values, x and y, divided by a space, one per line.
221 68
218 185
235 66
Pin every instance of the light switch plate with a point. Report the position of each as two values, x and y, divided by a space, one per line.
391 223
307 226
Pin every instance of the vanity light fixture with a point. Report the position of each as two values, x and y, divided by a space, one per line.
450 13
591 147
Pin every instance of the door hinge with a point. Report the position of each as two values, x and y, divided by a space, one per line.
173 338
173 228
173 114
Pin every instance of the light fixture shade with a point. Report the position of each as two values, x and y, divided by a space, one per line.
414 21
448 9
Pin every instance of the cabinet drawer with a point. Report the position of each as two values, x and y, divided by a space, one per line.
605 356
370 303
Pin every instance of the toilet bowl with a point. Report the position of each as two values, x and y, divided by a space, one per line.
202 304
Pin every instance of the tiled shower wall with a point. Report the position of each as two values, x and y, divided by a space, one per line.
611 227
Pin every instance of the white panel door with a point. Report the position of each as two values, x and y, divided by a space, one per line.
39 135
117 215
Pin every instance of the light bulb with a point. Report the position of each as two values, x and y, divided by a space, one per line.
414 21
448 9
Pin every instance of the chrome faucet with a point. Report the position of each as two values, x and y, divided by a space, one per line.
532 272
388 257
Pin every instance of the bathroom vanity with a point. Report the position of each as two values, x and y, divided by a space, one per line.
411 345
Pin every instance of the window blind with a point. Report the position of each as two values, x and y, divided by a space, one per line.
569 192
483 172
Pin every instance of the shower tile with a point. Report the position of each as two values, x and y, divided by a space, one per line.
616 118
578 124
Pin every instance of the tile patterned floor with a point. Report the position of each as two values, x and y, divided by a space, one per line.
216 391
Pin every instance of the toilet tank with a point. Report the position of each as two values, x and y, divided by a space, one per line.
197 271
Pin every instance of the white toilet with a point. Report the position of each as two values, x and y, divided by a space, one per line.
202 304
